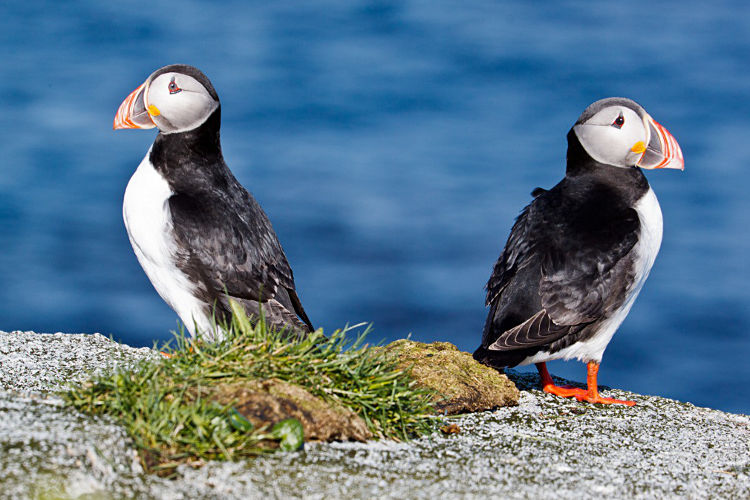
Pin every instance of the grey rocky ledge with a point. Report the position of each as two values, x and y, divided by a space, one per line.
544 447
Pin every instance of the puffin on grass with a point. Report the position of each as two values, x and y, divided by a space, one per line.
579 253
201 238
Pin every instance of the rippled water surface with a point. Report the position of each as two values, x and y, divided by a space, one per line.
392 144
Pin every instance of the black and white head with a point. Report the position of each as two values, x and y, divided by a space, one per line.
618 132
175 98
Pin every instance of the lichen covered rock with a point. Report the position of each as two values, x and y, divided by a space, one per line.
545 447
463 385
265 402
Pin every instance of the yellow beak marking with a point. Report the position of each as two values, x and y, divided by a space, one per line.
638 147
154 111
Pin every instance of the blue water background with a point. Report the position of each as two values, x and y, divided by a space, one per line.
392 145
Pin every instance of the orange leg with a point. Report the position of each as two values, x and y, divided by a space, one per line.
591 395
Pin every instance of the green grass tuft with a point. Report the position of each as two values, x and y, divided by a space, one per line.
159 402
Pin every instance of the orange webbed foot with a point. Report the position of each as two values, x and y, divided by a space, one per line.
591 395
565 391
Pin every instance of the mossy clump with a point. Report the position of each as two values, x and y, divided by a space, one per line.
459 383
271 400
187 407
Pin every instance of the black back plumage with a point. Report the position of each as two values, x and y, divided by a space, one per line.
566 266
226 243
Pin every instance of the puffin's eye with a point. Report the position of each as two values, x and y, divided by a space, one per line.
619 121
173 88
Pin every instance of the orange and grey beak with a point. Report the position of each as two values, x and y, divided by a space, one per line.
662 150
132 113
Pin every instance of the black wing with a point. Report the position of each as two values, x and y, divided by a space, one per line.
232 249
564 267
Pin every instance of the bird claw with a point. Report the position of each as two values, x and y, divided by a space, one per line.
608 401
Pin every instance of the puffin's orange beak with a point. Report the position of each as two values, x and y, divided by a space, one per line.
132 112
662 150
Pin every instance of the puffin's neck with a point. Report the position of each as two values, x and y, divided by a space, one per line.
184 157
583 168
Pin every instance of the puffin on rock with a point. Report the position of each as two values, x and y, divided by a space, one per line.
579 253
201 238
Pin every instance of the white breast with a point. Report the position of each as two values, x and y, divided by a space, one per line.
148 221
645 251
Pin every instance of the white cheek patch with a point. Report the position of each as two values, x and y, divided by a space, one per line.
183 110
608 144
